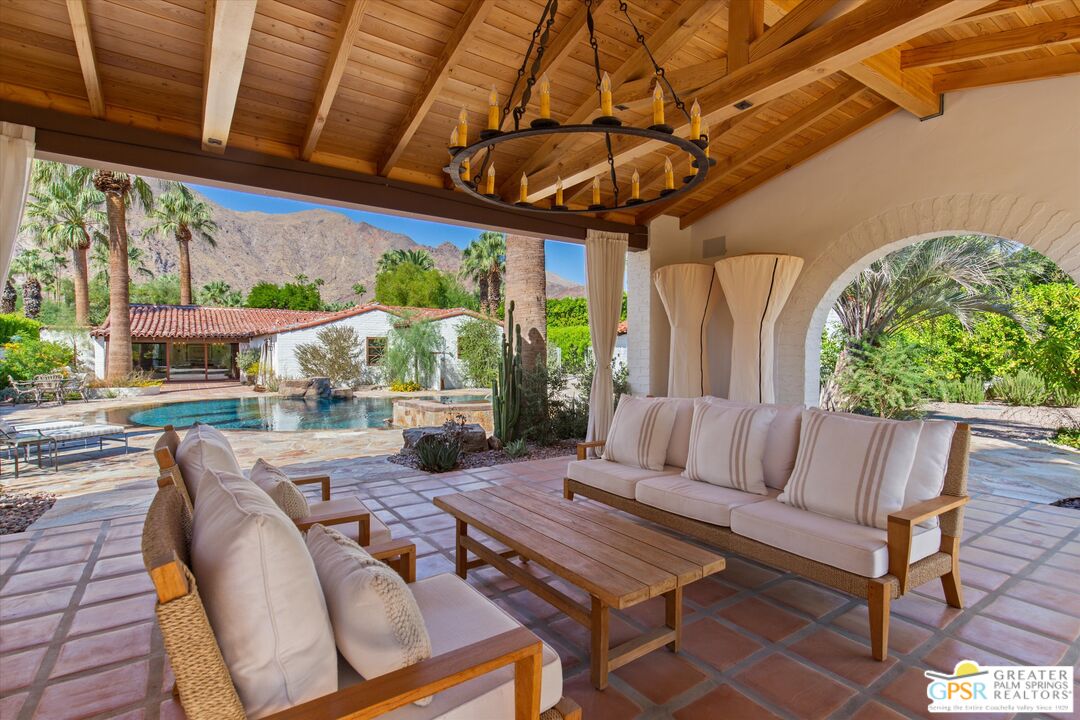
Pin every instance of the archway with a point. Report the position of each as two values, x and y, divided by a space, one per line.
1051 231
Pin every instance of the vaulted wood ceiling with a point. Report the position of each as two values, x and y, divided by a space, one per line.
375 86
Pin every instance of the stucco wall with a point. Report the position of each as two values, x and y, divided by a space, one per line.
1002 160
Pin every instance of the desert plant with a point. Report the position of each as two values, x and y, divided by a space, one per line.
1063 397
405 386
438 453
1020 388
1068 436
516 449
506 388
884 380
970 390
7 304
134 379
478 350
412 352
336 353
484 262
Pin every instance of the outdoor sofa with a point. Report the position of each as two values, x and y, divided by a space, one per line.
920 543
483 663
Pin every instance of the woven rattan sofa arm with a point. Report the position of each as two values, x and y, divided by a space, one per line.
374 697
583 448
321 478
901 526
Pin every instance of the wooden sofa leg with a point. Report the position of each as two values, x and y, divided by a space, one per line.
879 596
527 686
950 581
566 491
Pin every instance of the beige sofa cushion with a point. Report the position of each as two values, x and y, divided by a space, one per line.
679 445
852 469
457 615
377 623
781 444
727 445
203 448
856 548
275 483
378 530
694 499
613 477
262 596
640 432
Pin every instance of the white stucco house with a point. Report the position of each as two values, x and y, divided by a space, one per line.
191 343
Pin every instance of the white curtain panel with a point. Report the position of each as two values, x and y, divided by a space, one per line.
756 287
605 264
689 292
16 157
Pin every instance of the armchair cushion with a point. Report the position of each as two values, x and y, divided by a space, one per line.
846 545
613 477
377 623
695 499
281 489
640 432
262 596
727 445
204 448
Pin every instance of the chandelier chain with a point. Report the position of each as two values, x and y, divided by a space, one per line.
541 32
657 69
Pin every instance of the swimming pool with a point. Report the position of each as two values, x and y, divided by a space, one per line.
270 412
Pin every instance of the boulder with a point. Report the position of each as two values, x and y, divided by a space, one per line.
474 439
343 393
293 388
319 387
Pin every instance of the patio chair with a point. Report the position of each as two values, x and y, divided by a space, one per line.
49 384
16 441
23 389
77 385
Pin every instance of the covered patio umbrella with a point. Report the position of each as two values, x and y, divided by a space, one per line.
756 287
689 292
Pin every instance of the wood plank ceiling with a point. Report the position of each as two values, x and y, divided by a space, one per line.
375 86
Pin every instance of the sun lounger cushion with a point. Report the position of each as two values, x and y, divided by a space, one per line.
727 445
456 615
377 623
262 595
204 448
43 425
856 548
695 499
851 469
83 432
613 477
281 489
640 432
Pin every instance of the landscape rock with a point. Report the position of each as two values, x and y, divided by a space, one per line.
343 393
474 439
293 388
319 387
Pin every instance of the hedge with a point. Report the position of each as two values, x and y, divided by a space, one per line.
15 325
572 341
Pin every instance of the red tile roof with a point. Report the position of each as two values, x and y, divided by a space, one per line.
195 322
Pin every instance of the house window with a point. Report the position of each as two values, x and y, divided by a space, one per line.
376 348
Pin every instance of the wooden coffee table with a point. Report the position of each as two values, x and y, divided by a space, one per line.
618 562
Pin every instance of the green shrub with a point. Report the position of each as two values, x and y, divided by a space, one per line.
411 355
1068 436
478 349
438 453
13 325
516 448
405 387
134 379
336 354
28 359
573 342
884 381
571 311
1062 397
1020 388
971 390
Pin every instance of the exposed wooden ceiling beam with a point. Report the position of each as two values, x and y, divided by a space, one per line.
790 26
687 20
746 23
84 46
804 153
686 81
912 89
765 142
1000 43
1010 72
999 8
863 32
339 58
470 22
230 22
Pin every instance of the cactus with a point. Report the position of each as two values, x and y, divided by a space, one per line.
506 389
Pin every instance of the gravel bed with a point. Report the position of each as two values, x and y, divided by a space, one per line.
495 457
19 509
1007 422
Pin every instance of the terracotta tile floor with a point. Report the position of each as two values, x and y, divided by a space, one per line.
79 640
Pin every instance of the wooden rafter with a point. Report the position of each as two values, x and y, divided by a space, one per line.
911 89
746 23
339 58
1045 34
765 142
230 28
1009 73
84 46
673 33
999 8
686 80
804 153
470 21
790 26
863 32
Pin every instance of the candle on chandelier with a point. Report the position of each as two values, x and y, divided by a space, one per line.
596 191
658 104
635 186
669 175
463 127
605 96
493 109
491 179
545 97
695 121
558 191
523 193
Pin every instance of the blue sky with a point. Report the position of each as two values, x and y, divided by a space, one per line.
565 259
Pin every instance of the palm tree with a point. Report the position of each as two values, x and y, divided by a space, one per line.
943 276
417 256
178 212
32 266
526 286
99 256
119 190
220 294
484 263
65 210
359 289
7 300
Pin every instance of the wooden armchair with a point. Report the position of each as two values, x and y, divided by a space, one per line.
23 389
49 384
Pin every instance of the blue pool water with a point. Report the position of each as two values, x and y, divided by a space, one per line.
272 413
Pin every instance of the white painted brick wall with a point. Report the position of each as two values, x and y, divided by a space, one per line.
638 311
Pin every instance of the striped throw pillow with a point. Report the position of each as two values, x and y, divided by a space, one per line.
640 432
727 445
852 469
